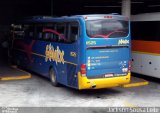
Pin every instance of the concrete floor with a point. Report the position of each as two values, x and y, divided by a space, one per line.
38 92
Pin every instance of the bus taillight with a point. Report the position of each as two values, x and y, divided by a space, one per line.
109 17
83 69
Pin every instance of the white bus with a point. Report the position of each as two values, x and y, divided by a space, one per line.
146 44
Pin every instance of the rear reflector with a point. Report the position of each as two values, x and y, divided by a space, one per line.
129 66
83 69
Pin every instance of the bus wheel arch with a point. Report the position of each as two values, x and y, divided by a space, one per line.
53 76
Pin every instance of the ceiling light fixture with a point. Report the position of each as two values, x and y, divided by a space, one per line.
154 6
135 2
100 6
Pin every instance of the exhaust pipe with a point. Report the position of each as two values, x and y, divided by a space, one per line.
93 86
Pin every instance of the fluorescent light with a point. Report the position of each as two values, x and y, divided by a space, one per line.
135 2
154 6
100 6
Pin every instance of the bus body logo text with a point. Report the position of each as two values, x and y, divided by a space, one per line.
123 41
54 54
91 42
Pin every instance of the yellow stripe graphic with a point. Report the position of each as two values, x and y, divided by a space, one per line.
45 56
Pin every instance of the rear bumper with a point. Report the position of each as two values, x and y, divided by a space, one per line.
85 83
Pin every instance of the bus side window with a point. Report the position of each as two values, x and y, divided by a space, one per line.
18 31
60 28
73 32
29 31
48 36
39 33
45 37
52 37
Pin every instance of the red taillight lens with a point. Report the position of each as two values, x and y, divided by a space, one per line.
129 66
83 69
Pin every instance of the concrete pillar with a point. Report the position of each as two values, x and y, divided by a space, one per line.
126 8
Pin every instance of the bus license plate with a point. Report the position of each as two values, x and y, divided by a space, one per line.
108 75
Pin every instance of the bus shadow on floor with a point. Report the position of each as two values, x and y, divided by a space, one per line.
146 77
95 93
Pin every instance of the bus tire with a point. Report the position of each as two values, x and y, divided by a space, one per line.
53 77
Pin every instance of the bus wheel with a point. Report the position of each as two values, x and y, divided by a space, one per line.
53 78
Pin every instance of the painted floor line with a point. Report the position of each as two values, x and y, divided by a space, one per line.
20 77
127 104
136 84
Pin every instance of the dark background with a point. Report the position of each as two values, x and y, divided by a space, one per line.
11 10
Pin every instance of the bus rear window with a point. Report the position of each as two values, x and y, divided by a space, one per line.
107 28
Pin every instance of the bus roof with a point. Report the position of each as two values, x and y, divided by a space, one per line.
86 17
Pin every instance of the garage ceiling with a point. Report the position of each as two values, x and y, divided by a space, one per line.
12 9
105 6
145 6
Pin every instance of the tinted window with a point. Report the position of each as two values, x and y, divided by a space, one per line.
107 28
49 32
55 32
29 31
61 32
39 32
74 32
18 31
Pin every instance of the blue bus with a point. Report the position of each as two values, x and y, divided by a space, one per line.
81 51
